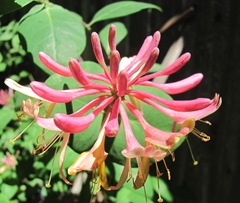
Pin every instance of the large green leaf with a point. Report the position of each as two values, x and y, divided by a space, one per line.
54 30
120 9
7 6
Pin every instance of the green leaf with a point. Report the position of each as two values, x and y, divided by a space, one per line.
6 114
120 9
54 30
9 190
3 198
121 34
7 6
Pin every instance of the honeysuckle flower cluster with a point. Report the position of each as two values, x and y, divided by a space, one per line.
115 95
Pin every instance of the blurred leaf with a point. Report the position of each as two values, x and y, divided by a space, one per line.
7 6
3 198
6 114
54 30
121 34
9 190
156 67
120 9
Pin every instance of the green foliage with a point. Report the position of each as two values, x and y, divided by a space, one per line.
12 53
7 6
120 9
54 30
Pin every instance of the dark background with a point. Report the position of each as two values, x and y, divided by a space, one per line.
212 35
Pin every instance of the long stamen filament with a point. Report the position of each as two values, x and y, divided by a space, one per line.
49 145
19 135
195 162
158 182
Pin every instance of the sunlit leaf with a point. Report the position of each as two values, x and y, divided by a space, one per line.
120 9
55 31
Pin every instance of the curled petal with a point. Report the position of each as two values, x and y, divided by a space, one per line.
176 87
180 117
53 65
174 67
24 90
62 155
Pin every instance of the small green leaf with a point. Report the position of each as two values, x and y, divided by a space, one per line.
9 190
7 114
121 34
120 9
7 6
55 31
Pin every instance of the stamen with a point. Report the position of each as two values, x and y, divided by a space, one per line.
48 184
168 171
204 137
195 162
158 182
50 144
19 135
206 122
172 154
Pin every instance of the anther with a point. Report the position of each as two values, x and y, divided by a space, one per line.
168 171
204 137
195 162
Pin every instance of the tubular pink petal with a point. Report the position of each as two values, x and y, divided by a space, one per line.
174 67
181 105
176 87
112 37
114 65
60 96
122 83
78 73
132 143
78 124
24 90
53 65
112 126
88 106
97 49
47 123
